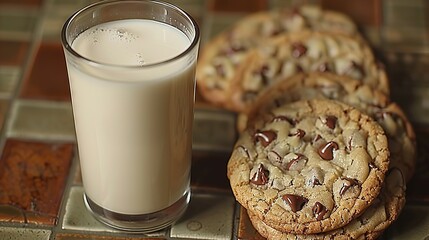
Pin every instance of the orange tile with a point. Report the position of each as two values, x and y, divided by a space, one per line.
77 236
246 229
13 53
364 12
238 5
47 78
32 180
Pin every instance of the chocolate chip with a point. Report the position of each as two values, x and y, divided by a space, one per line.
261 176
331 121
295 12
295 202
275 32
298 160
315 182
234 48
372 165
319 211
264 74
265 137
327 151
349 182
299 133
298 50
220 70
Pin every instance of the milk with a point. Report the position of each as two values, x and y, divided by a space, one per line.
133 117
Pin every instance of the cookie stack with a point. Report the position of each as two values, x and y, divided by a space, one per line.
323 152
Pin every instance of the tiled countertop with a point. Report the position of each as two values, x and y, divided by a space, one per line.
40 185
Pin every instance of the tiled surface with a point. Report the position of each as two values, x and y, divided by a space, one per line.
210 216
48 86
40 186
32 179
9 233
43 120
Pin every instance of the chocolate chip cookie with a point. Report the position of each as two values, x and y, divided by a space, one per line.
305 52
400 134
401 138
223 58
383 212
317 85
309 166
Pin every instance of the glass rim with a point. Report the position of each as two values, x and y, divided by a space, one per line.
67 46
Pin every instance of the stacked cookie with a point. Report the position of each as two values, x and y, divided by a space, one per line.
323 152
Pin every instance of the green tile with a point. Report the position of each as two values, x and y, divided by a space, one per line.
60 10
273 4
209 216
193 7
17 24
41 120
216 23
7 233
9 77
54 20
62 3
4 105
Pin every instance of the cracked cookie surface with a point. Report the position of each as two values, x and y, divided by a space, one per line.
381 214
310 166
223 59
305 52
400 134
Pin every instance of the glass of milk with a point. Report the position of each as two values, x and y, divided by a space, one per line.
131 67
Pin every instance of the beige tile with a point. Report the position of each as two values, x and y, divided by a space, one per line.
9 77
24 234
4 105
41 120
209 216
77 217
18 25
54 20
215 23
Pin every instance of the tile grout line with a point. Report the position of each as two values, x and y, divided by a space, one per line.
35 40
34 43
66 193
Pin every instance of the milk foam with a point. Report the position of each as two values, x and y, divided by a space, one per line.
126 42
